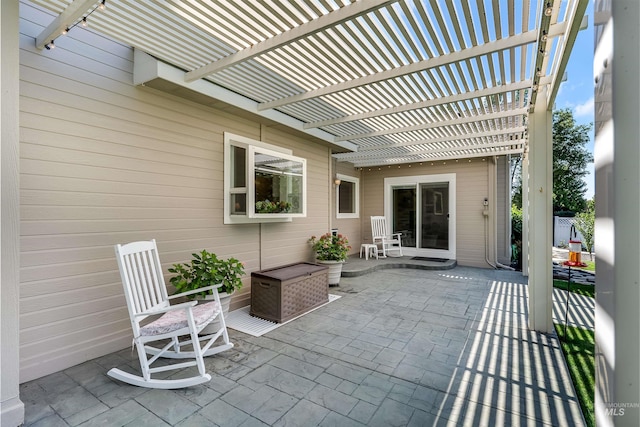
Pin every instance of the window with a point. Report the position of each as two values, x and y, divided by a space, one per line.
262 182
347 197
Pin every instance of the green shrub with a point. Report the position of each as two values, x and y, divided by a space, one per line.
206 269
516 223
516 236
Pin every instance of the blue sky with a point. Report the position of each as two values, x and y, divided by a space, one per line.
577 92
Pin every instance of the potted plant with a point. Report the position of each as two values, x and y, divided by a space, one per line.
266 206
332 250
206 269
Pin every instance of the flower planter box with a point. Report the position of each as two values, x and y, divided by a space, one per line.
282 293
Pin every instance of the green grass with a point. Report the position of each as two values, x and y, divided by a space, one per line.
579 348
578 288
591 266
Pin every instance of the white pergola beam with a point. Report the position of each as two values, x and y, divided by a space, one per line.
70 15
575 22
539 60
461 55
450 58
329 20
399 160
461 137
359 156
540 211
458 121
424 104
524 170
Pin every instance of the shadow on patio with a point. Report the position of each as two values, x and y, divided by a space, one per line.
401 347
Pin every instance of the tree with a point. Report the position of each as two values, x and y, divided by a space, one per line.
585 224
570 159
516 181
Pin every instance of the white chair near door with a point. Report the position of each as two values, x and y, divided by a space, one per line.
168 327
387 242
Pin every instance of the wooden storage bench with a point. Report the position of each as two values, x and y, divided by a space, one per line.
282 293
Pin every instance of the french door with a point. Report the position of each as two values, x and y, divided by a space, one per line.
422 208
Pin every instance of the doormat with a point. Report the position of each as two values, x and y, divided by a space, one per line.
422 258
242 321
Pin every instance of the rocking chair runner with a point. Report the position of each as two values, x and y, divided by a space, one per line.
146 296
389 242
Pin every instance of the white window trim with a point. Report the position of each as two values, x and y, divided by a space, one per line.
237 140
355 181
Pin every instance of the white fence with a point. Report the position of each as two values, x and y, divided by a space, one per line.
562 231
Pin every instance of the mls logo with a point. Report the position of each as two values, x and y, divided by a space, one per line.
614 411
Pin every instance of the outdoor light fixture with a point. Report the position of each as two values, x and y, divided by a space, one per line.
337 181
83 22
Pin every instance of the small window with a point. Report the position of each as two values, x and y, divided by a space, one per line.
262 182
347 197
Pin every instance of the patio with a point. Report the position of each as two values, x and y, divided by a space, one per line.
401 347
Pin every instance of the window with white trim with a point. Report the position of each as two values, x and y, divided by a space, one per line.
262 182
347 197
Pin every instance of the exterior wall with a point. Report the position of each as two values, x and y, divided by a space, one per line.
105 162
350 227
472 184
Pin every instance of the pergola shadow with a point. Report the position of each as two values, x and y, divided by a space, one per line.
508 374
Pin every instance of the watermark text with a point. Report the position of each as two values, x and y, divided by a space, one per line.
617 409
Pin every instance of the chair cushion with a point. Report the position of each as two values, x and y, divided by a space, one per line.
177 319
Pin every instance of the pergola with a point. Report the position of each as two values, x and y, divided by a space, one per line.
385 81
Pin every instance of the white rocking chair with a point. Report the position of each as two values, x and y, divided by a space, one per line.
388 242
146 296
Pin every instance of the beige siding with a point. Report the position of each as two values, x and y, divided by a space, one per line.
350 227
471 185
104 162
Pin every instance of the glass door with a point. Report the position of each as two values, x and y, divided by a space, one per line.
404 214
422 208
435 215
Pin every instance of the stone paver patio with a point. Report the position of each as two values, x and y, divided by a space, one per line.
401 347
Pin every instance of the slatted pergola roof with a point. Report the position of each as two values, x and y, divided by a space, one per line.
387 82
